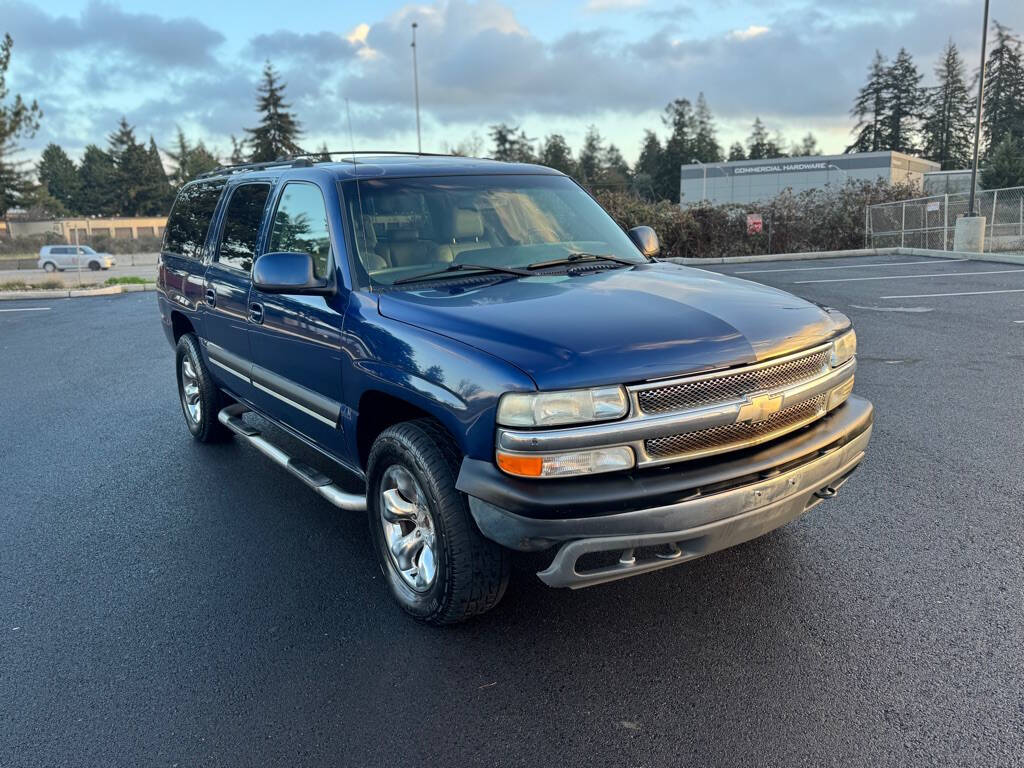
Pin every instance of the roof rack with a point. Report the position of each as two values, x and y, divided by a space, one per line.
307 159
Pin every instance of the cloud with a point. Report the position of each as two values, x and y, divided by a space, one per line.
602 6
749 33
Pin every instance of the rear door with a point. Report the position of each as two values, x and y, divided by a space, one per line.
296 340
227 286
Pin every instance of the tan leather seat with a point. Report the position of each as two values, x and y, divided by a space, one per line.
369 248
467 234
405 249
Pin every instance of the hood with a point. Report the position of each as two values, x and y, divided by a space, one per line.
617 325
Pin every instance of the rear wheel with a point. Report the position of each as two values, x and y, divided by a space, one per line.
201 401
439 567
50 267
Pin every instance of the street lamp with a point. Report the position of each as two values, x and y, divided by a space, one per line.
416 88
977 122
832 165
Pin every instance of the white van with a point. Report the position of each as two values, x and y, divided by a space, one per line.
61 257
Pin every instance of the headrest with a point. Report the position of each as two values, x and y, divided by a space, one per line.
404 235
467 222
369 233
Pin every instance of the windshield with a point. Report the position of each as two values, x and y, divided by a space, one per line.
404 228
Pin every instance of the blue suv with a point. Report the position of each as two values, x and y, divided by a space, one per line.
502 368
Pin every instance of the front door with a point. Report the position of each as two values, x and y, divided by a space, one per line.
227 285
296 340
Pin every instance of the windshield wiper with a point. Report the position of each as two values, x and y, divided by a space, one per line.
458 268
578 256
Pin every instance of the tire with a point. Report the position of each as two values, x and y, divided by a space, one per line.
49 267
470 573
203 400
94 266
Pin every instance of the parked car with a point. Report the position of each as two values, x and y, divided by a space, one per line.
55 258
502 369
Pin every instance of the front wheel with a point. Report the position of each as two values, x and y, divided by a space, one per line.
201 401
439 567
94 266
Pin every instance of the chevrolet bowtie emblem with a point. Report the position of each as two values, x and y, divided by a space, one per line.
759 408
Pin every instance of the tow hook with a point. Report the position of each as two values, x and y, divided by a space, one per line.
826 493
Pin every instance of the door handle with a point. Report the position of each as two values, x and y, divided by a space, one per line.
211 297
256 312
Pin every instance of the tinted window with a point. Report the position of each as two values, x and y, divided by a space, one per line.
242 226
300 225
190 219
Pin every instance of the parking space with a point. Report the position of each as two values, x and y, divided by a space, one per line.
163 602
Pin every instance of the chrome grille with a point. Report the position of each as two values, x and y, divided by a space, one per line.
724 438
709 390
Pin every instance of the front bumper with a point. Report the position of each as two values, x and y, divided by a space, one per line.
710 507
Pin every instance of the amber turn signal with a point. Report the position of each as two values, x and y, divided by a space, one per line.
524 466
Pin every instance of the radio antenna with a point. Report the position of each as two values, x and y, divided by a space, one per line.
355 175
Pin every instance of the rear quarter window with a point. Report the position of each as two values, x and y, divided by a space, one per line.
190 219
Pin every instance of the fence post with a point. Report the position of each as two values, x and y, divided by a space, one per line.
903 226
945 222
1020 216
992 226
867 224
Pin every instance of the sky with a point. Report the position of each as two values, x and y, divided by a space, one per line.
549 66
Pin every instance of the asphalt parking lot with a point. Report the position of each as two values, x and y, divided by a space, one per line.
166 603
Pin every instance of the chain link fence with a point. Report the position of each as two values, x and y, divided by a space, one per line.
929 222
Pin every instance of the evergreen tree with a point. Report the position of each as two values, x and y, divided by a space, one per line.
775 146
131 162
237 156
904 103
759 146
614 168
190 161
155 194
736 152
278 131
323 155
705 146
591 156
98 176
648 165
59 176
18 120
1003 103
555 153
869 108
1005 166
808 147
948 127
679 148
511 144
202 160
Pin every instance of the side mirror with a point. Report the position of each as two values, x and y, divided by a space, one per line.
284 272
646 240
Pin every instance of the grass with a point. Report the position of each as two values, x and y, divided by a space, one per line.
21 285
129 280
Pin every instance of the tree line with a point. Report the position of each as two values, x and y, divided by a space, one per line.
892 111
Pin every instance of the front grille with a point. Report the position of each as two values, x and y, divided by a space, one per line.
726 387
733 436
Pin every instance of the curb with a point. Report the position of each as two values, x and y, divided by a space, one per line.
790 256
76 293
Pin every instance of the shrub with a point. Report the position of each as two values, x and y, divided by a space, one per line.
826 219
30 244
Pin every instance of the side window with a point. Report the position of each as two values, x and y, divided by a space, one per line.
190 219
242 226
300 225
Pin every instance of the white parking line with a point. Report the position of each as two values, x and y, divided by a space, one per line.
963 293
910 277
849 266
25 309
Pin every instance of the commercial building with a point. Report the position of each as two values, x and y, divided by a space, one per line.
123 227
748 181
949 182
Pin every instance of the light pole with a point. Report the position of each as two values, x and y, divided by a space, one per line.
831 165
416 89
977 121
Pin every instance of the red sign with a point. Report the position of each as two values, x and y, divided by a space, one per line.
754 224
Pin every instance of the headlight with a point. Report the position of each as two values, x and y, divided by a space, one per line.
586 462
844 348
549 409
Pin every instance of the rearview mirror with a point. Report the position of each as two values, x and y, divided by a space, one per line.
646 239
284 272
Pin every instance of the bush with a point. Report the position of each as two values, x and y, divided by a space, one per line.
129 280
826 219
30 244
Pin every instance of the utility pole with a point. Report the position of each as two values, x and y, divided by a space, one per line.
416 88
971 211
78 257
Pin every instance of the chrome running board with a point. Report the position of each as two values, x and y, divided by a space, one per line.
231 417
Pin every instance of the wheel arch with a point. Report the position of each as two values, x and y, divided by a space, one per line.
180 325
379 410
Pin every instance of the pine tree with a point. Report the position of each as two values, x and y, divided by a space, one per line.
511 144
98 193
679 148
555 153
18 120
154 194
737 152
278 131
759 146
948 127
190 161
237 156
591 156
869 108
614 168
202 160
905 100
705 146
131 163
648 165
808 147
1003 103
1005 166
58 174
